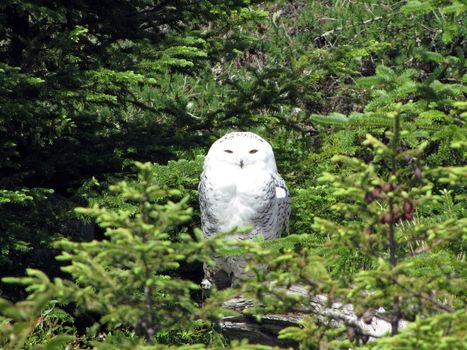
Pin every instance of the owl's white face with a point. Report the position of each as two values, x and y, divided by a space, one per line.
241 151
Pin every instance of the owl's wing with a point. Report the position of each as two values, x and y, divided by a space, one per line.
274 217
283 205
209 222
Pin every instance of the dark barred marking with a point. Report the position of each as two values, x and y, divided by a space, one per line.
234 135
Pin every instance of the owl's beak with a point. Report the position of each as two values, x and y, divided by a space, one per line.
241 163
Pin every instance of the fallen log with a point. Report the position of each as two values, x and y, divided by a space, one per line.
264 331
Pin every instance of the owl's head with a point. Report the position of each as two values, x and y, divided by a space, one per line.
241 150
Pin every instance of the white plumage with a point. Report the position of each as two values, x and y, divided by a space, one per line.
240 187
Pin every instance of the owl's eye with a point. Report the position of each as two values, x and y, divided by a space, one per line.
253 151
228 151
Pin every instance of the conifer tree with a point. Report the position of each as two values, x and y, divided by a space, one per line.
392 209
129 278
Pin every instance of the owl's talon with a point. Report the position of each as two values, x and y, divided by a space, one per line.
206 284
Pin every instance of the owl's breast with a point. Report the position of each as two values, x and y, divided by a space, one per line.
237 197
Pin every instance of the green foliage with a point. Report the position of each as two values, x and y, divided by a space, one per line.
308 203
377 201
35 322
424 333
141 273
84 89
128 278
22 212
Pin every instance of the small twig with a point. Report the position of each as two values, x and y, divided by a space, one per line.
440 305
338 29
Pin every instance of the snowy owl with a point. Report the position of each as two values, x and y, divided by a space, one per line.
240 187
